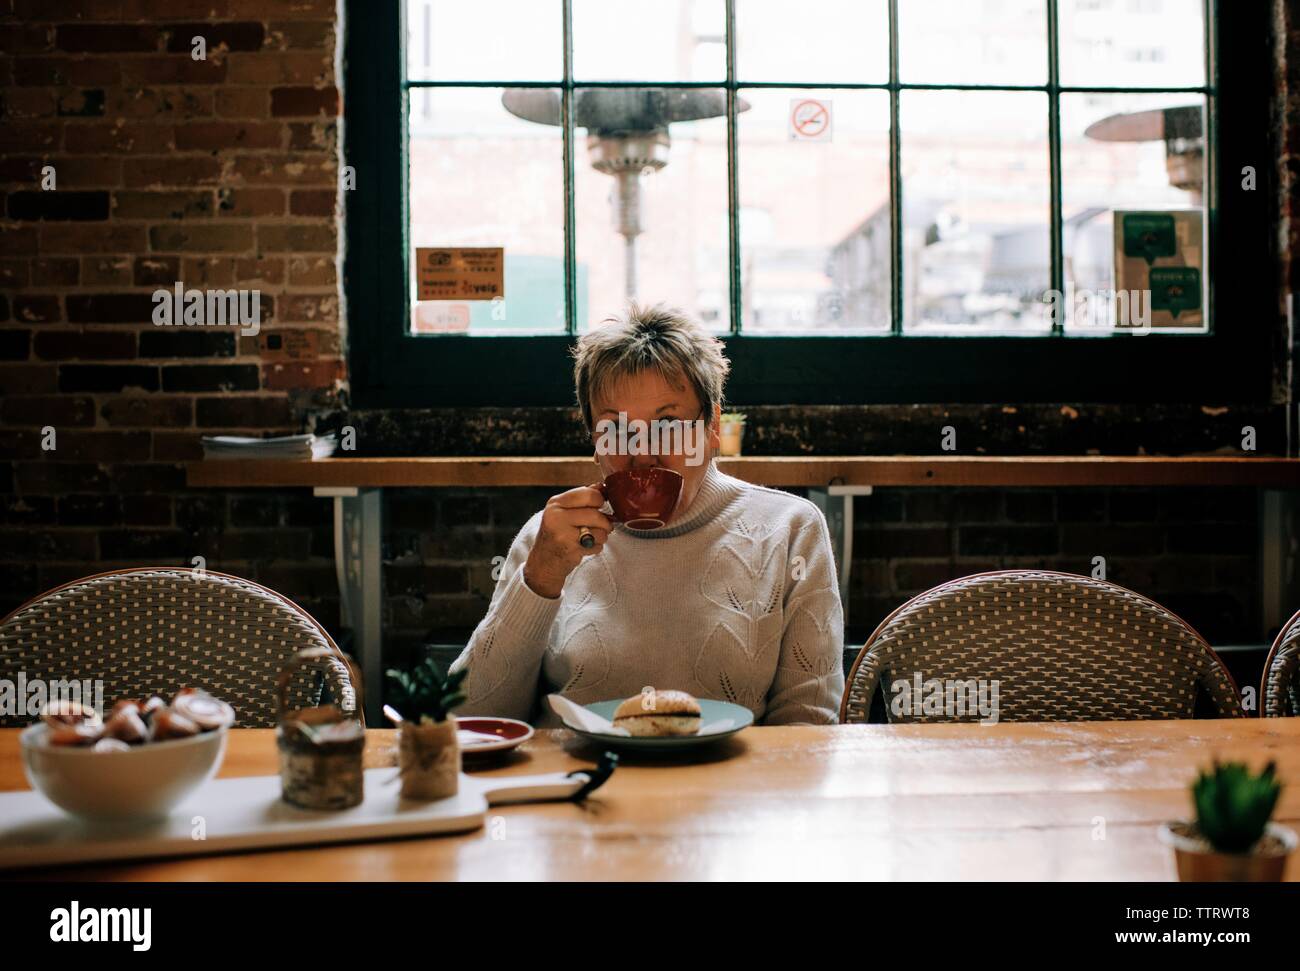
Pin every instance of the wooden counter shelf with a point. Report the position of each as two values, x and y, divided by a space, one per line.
357 486
787 471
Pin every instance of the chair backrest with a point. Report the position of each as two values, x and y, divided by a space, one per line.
1279 690
158 629
1054 647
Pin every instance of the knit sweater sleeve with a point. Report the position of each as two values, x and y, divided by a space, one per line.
504 655
809 678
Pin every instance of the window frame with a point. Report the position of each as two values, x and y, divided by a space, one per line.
391 369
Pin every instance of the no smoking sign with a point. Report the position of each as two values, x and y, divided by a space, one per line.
810 120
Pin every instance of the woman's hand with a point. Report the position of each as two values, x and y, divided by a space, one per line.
557 549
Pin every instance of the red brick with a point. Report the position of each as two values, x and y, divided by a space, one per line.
223 136
56 271
165 104
56 238
110 308
250 202
302 374
310 35
286 169
76 71
14 274
296 10
300 238
30 103
201 238
245 36
147 510
155 271
80 172
314 136
177 447
304 101
162 205
309 307
112 137
160 173
226 270
83 103
17 241
308 271
148 411
313 202
85 345
243 103
237 411
67 206
173 69
106 271
107 377
32 308
107 38
82 446
25 38
30 136
292 68
61 411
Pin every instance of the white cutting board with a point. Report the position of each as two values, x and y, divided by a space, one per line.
248 813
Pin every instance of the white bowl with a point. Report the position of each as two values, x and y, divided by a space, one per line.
146 781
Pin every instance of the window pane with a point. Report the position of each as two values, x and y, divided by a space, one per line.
817 41
1127 152
976 255
972 41
650 198
667 40
814 217
483 177
486 40
1128 43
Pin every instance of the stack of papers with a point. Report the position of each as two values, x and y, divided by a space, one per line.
284 447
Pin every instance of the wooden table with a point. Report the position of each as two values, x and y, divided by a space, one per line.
874 802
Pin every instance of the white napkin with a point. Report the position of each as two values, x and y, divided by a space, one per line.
577 716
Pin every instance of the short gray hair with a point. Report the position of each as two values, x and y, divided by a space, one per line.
656 338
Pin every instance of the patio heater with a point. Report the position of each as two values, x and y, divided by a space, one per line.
627 136
1179 128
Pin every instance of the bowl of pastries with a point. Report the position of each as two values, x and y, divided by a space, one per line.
138 762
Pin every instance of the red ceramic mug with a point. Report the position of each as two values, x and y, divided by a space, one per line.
642 498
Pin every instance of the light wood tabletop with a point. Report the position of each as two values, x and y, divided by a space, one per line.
1064 801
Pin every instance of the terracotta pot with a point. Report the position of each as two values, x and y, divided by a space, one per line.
429 759
1197 862
732 432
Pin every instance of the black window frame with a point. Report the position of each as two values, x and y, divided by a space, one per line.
388 368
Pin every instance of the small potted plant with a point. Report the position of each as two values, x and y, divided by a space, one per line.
428 750
732 429
1231 838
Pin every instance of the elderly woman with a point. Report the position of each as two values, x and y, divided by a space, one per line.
734 598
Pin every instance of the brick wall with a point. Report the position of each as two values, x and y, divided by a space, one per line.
222 173
219 172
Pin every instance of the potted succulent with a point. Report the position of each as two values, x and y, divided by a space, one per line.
1231 838
732 429
428 750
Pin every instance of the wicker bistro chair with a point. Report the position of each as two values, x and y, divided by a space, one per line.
1279 691
1060 647
156 630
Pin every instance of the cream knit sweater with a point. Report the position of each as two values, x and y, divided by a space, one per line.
736 601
